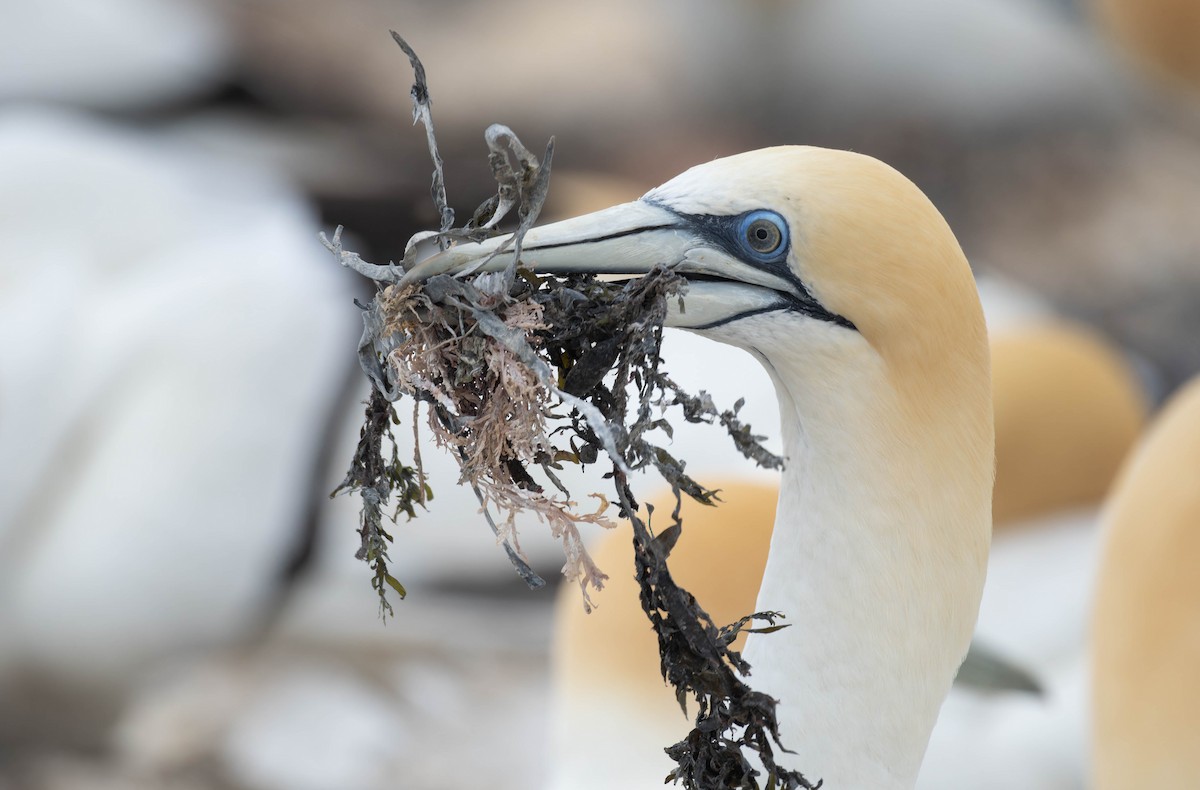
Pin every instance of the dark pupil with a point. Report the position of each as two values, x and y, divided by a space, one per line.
764 237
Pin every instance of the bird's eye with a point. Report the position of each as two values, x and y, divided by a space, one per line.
763 233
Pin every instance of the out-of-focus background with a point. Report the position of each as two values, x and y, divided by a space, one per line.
179 603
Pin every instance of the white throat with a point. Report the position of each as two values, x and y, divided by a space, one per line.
877 559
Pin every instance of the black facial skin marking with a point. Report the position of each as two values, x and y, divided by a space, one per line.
722 232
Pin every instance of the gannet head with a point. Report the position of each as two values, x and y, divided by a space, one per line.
809 234
817 261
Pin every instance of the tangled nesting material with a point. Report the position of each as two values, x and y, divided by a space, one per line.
512 370
523 373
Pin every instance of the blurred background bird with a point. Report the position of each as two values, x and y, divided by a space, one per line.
1145 718
179 603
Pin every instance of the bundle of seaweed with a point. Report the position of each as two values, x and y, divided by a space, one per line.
522 373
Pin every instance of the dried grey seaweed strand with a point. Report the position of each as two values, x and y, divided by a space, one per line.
380 273
423 112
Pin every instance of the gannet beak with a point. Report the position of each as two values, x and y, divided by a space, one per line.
629 239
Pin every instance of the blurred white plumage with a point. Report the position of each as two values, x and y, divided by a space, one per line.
174 338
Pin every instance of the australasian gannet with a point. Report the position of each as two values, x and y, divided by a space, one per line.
841 277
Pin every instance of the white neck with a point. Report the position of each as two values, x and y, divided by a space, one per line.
878 560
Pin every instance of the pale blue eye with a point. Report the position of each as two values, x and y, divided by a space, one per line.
763 234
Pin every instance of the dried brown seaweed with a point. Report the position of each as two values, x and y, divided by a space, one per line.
521 374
